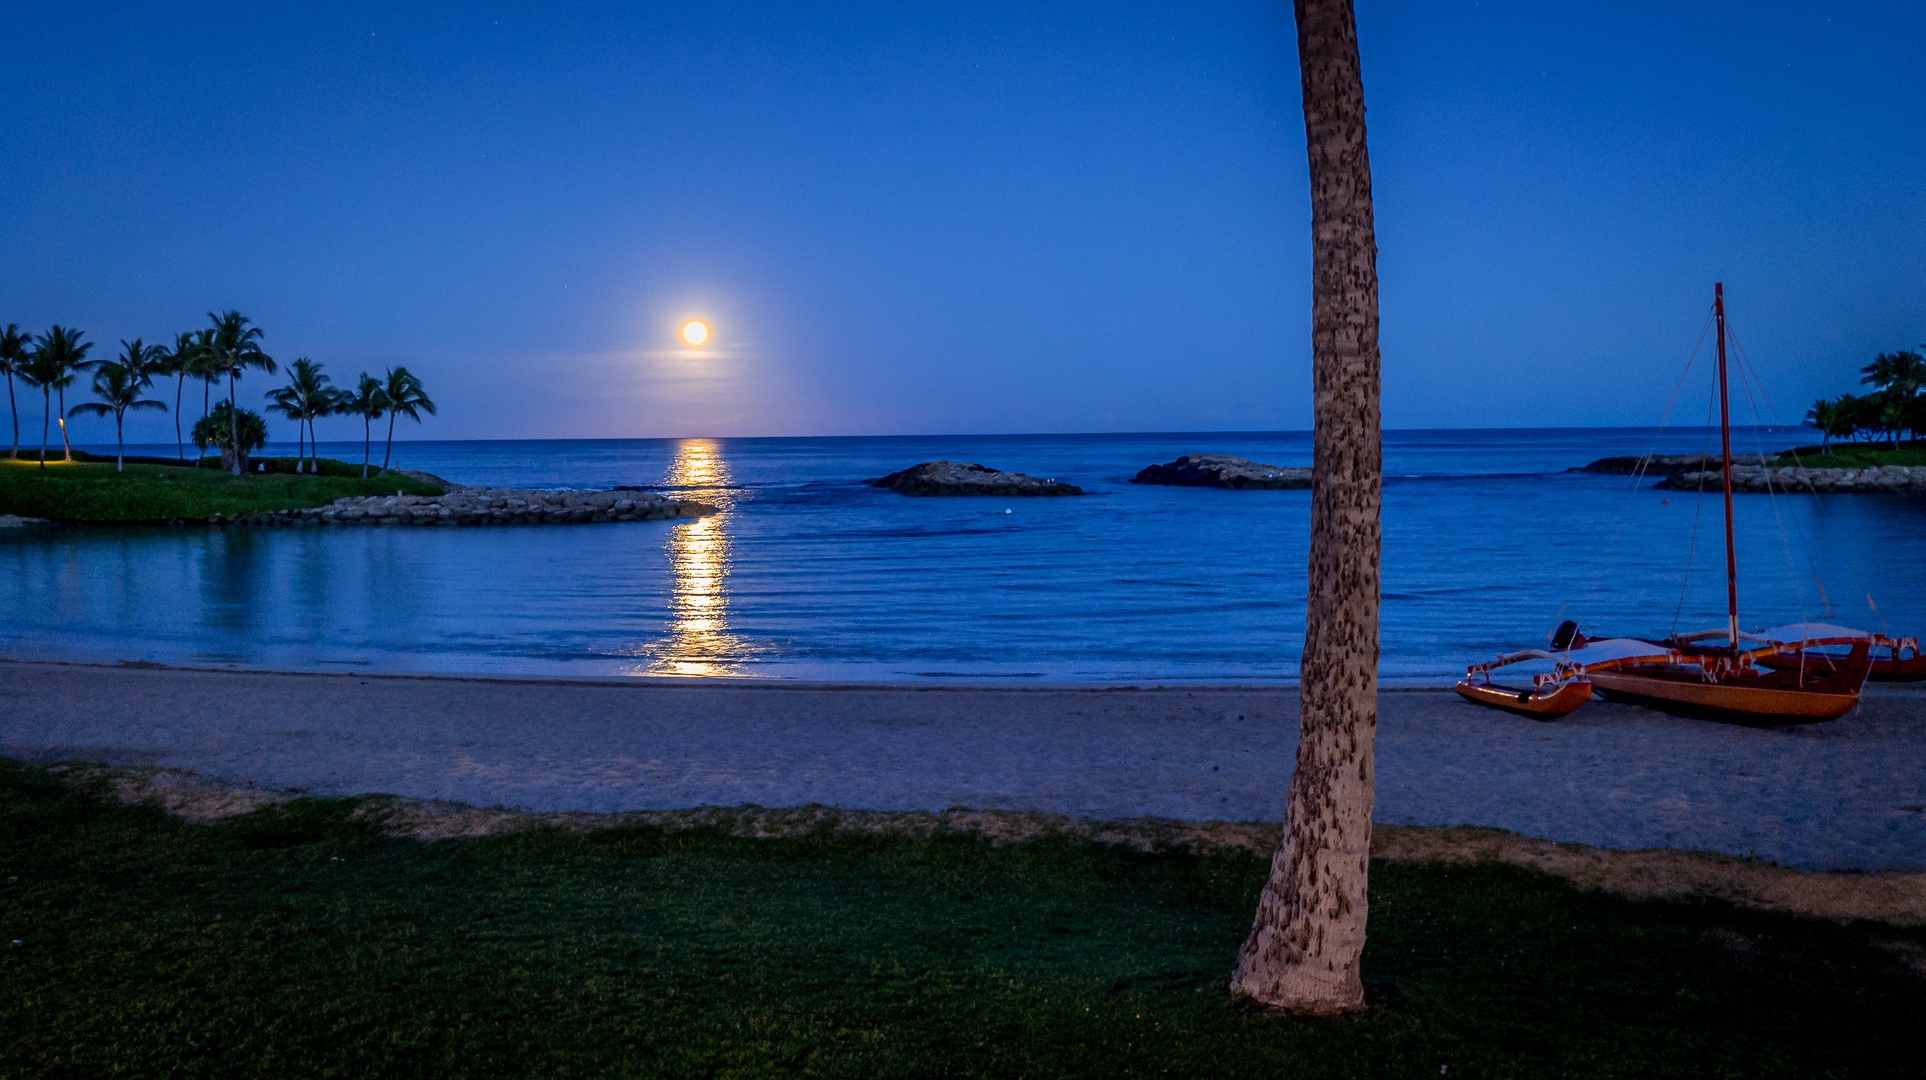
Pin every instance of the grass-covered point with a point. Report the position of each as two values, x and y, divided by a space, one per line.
93 492
1855 455
300 942
224 350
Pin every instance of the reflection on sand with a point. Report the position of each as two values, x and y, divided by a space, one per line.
699 639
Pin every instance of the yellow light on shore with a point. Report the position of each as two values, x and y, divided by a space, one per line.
695 331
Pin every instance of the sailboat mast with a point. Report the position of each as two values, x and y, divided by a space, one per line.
1725 455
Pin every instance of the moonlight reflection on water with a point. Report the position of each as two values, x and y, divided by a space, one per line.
699 641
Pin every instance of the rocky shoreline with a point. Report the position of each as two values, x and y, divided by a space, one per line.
968 478
1882 480
1223 471
484 506
1755 474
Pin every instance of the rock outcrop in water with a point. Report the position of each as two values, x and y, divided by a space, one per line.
1223 471
485 506
968 478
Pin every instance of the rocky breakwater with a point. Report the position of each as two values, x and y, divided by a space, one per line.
968 478
1884 479
485 506
1223 471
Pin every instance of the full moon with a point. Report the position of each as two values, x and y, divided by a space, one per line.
695 331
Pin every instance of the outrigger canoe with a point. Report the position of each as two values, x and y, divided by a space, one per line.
1789 674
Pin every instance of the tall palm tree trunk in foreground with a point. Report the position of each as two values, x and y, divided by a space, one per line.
1302 953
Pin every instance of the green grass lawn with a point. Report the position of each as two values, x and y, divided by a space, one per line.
296 942
1845 455
92 492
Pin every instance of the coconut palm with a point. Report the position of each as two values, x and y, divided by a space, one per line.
234 345
118 385
368 400
1303 950
59 355
405 398
306 396
182 360
1833 418
14 347
1900 377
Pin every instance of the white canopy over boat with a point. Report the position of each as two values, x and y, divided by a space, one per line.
1613 650
1793 633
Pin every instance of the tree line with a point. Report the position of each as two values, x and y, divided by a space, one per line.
221 352
1897 403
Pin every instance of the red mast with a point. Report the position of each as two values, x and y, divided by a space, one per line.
1725 454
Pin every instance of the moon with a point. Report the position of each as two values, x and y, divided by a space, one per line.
695 331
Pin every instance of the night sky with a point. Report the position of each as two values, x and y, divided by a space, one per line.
919 218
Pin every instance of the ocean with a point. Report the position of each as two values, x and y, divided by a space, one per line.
1489 541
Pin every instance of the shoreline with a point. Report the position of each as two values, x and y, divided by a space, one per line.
1894 897
1841 796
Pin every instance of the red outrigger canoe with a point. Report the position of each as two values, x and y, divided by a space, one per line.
1792 674
1789 674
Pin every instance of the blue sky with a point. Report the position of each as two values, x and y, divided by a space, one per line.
909 218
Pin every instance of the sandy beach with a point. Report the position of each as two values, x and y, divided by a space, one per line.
1840 796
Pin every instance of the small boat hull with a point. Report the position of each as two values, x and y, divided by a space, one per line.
1884 669
1750 701
1899 669
1536 703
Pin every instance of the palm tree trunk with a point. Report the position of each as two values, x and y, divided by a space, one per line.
300 446
13 410
367 444
65 442
207 389
1303 950
46 422
120 445
180 444
233 423
388 450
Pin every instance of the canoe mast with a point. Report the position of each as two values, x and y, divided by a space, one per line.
1725 455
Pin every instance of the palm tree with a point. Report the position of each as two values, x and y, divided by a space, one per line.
58 356
306 396
234 345
368 401
1900 376
1825 415
205 369
405 398
14 347
118 383
1303 950
182 360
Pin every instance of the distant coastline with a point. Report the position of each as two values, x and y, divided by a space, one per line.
1897 468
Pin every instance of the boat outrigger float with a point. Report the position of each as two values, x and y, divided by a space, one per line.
1799 673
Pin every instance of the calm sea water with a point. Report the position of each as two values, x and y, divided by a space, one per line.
1489 542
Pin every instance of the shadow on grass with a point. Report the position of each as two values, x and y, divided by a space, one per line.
298 941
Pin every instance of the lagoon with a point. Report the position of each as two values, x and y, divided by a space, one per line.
809 573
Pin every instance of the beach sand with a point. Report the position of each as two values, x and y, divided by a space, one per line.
1839 796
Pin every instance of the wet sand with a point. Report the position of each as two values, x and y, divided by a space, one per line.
1845 795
